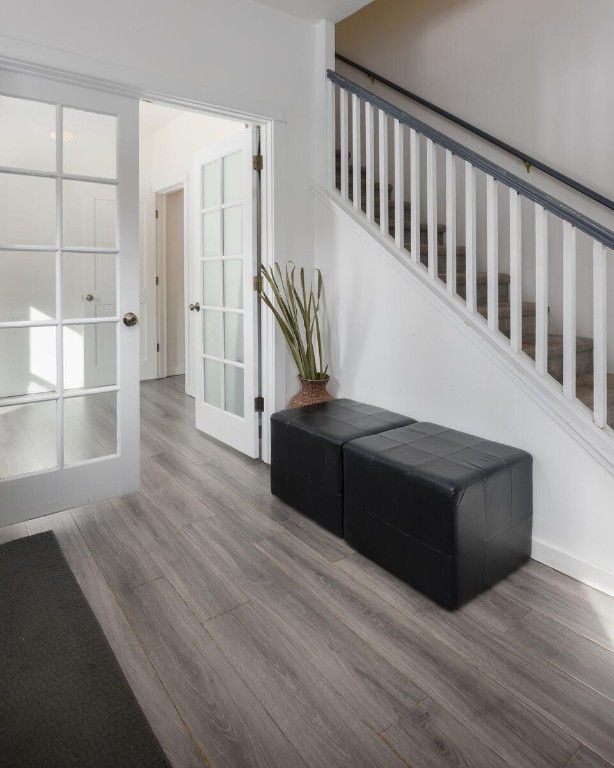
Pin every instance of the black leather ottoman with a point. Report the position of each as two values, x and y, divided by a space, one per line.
449 513
306 460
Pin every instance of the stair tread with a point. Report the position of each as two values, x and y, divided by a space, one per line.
555 345
528 308
481 278
585 392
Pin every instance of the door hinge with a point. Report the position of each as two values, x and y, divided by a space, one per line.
257 283
158 347
258 163
157 280
259 404
157 213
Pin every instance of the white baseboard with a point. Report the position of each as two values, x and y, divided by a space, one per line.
577 569
176 371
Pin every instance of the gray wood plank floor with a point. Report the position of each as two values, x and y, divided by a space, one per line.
251 637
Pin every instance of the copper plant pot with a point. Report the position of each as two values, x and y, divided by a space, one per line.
312 391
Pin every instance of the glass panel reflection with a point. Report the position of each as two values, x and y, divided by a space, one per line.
90 215
28 361
213 382
89 285
233 230
27 131
212 284
27 286
233 172
211 184
233 336
233 283
28 438
90 355
90 144
212 332
212 244
233 390
27 210
90 427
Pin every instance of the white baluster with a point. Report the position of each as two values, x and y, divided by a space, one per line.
569 311
414 159
492 252
431 207
515 272
470 236
330 134
369 158
450 222
356 158
343 143
600 351
541 290
399 186
384 209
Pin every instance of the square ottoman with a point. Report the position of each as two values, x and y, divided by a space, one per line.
306 460
449 513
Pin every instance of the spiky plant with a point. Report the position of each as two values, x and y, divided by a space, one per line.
296 310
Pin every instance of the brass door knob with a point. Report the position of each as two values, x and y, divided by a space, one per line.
130 319
89 297
195 307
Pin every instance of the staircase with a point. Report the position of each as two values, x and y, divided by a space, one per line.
584 383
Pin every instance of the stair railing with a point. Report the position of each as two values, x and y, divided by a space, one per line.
359 120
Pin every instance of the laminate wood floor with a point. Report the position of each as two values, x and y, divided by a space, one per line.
251 637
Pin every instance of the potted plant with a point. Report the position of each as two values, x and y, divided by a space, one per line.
295 308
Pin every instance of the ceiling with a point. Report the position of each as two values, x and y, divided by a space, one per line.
314 10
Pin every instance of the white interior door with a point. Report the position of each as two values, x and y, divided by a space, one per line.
225 211
69 424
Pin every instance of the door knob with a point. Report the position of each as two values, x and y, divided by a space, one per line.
195 307
130 319
89 297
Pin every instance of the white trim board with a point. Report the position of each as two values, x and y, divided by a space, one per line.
578 569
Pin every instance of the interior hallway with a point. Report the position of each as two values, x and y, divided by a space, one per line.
252 637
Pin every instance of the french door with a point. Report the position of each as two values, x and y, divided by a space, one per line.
225 308
69 416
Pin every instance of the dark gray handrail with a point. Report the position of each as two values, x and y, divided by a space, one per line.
527 159
579 220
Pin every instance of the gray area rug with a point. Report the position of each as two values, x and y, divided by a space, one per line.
64 700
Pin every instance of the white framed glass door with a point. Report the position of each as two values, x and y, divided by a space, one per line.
225 196
69 424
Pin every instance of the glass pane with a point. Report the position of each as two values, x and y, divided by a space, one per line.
211 184
233 172
90 355
233 230
27 286
88 284
90 144
27 361
89 215
27 210
27 438
233 283
233 336
212 284
212 332
213 383
212 245
26 129
233 390
90 427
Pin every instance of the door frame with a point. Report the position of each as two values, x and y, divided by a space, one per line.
161 272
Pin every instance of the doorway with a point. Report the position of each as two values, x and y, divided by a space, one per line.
191 325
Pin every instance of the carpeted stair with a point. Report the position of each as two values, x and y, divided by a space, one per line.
584 351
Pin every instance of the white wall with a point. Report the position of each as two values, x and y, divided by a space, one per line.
392 344
236 55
